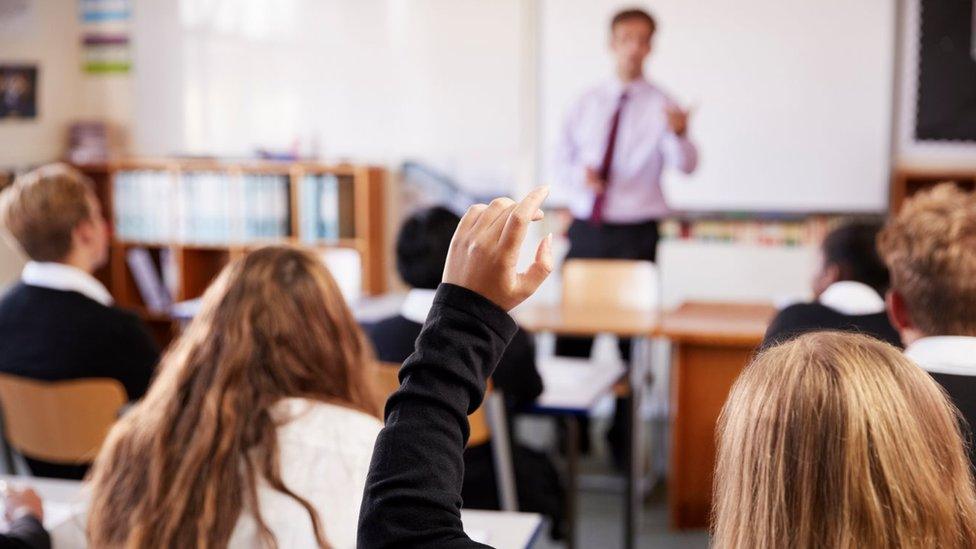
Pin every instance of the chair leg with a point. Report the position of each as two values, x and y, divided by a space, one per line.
501 451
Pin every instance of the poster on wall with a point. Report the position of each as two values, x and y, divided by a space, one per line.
945 107
105 30
18 92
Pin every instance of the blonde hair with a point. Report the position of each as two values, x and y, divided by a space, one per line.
930 249
42 208
180 468
837 440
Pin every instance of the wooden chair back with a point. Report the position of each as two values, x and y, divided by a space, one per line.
610 283
59 421
387 382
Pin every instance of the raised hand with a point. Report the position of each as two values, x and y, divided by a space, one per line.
677 119
18 503
485 249
593 181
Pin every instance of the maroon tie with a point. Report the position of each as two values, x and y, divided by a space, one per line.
604 173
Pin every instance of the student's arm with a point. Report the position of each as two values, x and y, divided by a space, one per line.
25 533
413 492
24 511
679 152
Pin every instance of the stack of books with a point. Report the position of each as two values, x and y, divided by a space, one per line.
808 231
200 207
326 208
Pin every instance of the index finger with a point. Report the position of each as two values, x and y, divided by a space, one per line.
518 221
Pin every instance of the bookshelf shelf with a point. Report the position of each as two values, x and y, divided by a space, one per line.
190 217
908 180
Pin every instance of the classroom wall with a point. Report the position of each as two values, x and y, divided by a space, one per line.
48 37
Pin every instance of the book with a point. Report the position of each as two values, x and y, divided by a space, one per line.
154 294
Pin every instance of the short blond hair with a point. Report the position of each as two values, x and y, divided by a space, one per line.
930 250
837 440
42 208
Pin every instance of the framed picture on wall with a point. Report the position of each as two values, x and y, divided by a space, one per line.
946 102
18 91
936 88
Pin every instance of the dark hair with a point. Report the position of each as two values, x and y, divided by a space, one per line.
633 14
422 246
852 247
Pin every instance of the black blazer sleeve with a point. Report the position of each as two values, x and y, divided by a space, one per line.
413 491
26 533
136 357
517 376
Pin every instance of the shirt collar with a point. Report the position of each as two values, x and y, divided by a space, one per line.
58 276
417 304
852 298
954 355
615 87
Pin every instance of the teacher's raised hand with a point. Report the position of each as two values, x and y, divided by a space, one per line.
484 251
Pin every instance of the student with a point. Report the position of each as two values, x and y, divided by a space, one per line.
259 428
837 440
930 249
24 512
421 250
413 493
58 322
849 290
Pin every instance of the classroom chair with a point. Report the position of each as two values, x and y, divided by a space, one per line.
59 421
489 419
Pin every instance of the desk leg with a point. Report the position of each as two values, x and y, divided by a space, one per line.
572 481
637 379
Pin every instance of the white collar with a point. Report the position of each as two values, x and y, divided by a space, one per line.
954 355
58 276
852 298
615 87
417 304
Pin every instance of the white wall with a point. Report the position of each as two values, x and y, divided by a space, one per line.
48 37
371 80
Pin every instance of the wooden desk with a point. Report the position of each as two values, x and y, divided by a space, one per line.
569 321
712 343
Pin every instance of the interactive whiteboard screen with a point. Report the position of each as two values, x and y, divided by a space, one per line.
793 97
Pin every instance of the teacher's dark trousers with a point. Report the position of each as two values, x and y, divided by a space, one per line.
608 241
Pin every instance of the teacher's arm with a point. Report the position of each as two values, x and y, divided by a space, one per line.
413 492
679 151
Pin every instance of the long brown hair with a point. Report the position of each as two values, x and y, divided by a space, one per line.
180 467
837 440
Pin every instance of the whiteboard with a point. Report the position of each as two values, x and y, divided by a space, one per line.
794 96
362 80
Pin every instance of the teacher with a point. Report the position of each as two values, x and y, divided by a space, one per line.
618 138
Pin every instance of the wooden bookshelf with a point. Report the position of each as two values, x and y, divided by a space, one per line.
198 264
909 180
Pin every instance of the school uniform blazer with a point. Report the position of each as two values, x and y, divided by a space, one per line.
413 492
